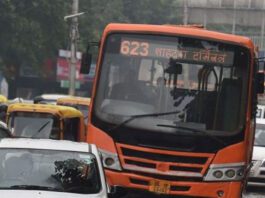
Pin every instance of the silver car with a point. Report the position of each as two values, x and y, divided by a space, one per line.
257 172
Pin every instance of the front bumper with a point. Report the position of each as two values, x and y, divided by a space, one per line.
183 188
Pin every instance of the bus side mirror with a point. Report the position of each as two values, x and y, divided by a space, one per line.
260 83
86 61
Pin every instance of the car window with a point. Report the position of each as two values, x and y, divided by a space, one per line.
60 171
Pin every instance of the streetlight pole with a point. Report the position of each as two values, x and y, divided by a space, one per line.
185 12
73 39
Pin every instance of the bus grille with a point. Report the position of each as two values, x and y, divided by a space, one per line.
156 161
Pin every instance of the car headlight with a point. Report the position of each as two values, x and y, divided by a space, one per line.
110 160
225 172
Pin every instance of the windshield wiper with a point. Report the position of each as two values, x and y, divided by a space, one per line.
193 130
133 117
41 128
34 187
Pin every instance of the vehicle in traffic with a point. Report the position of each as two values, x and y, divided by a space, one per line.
46 121
4 131
50 169
3 99
80 103
256 176
172 109
48 98
260 115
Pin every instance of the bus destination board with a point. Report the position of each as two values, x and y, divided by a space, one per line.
155 49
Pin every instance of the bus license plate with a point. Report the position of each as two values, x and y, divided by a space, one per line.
160 187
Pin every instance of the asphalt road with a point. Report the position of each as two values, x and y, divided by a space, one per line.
254 195
250 193
247 195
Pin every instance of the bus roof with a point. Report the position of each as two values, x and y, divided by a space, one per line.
74 100
180 31
62 111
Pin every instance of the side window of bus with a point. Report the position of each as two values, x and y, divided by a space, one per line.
71 126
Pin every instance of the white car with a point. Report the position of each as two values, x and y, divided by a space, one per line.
48 98
40 168
257 172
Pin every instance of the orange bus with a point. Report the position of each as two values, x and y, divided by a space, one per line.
173 109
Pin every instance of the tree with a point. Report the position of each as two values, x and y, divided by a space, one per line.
152 11
34 30
31 31
124 11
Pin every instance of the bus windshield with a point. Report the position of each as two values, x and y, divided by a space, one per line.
203 82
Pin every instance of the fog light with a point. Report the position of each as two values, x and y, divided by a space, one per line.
218 174
220 193
109 161
230 173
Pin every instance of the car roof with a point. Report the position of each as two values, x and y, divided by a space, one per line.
62 111
74 100
180 31
44 144
52 96
48 98
260 120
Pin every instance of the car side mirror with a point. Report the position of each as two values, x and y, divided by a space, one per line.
260 82
86 61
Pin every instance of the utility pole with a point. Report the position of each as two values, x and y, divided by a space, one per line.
73 40
185 12
234 18
185 22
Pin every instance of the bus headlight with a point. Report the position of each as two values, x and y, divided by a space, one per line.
230 173
225 172
218 174
110 160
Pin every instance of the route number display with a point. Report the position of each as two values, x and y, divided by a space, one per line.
159 49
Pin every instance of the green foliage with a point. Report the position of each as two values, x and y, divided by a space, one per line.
101 12
152 11
32 30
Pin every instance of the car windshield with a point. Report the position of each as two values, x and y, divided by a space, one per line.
63 171
204 82
38 125
260 135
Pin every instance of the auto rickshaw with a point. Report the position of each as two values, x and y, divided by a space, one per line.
46 121
80 103
3 99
